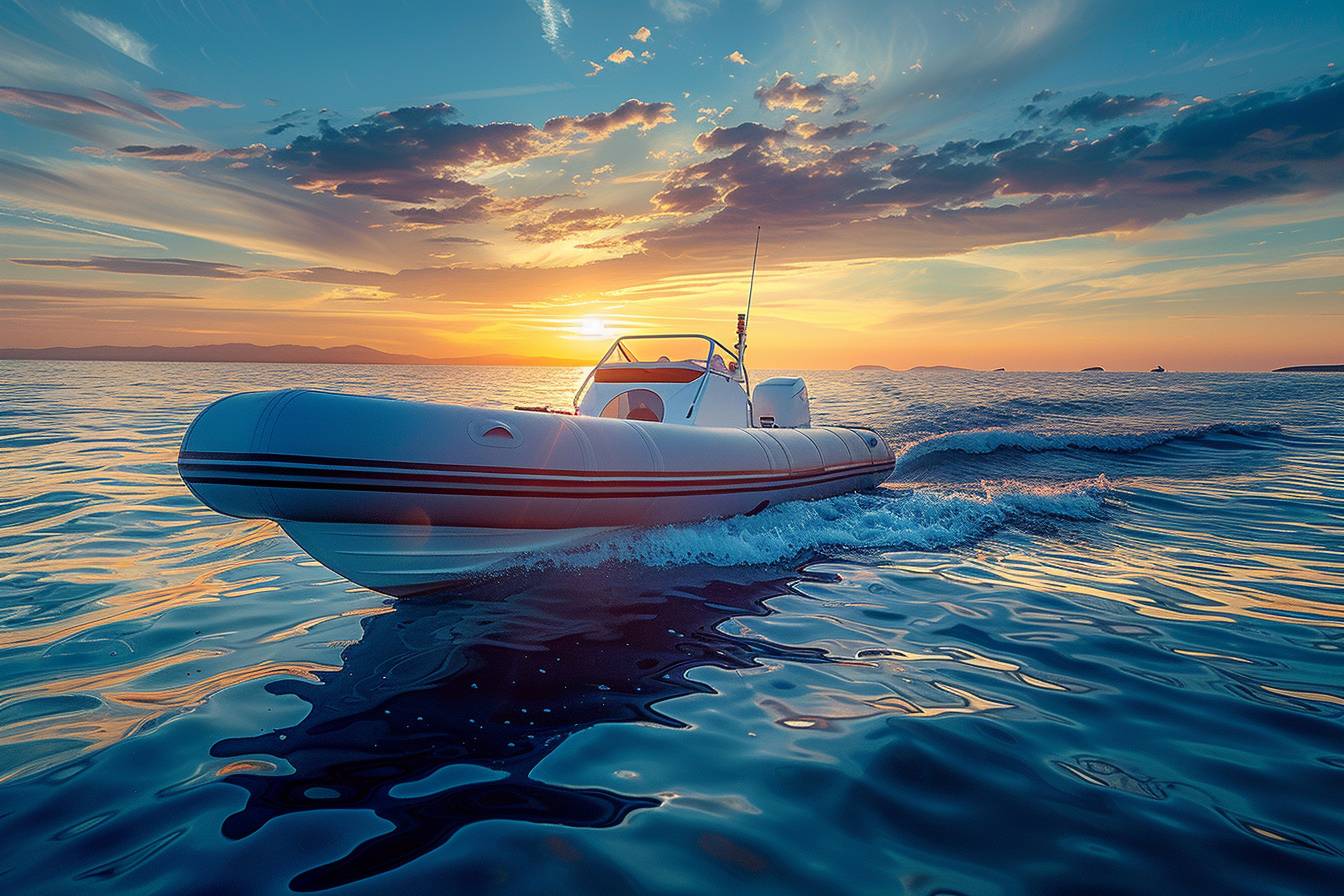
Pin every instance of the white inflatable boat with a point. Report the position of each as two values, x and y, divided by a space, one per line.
404 496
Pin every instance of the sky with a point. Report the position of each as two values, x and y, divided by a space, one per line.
1030 185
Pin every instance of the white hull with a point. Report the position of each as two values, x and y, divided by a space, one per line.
404 496
401 560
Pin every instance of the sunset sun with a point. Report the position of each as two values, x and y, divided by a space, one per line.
591 328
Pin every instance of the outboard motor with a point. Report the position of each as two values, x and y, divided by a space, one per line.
781 402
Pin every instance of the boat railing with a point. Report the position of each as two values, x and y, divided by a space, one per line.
629 358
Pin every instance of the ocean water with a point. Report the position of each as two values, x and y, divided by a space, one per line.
1089 638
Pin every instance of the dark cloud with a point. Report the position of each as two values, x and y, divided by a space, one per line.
176 267
841 131
177 150
1267 127
424 216
176 99
751 133
291 115
685 199
1042 95
748 133
403 155
1042 185
287 120
1099 107
788 92
410 189
181 152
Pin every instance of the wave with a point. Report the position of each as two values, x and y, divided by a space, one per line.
885 518
987 441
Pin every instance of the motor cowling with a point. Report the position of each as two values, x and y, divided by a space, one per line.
781 402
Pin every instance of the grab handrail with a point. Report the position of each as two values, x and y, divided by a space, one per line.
709 358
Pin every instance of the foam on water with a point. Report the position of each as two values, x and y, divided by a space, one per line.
884 518
987 441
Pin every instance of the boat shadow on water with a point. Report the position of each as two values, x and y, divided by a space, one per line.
441 711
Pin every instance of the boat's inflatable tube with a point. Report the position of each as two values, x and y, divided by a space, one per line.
309 459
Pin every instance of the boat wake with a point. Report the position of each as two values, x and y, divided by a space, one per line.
887 518
977 444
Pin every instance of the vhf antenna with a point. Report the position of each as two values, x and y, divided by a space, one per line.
743 318
752 282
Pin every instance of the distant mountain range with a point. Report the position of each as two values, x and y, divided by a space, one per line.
246 352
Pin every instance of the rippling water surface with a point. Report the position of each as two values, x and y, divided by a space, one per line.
1088 638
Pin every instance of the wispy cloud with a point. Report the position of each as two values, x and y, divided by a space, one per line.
244 212
616 57
683 10
641 34
118 37
15 99
488 93
176 267
737 57
177 100
554 18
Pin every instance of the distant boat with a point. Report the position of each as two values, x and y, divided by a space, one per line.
1090 369
1158 369
997 370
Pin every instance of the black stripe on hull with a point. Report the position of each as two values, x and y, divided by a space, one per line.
191 457
557 492
194 471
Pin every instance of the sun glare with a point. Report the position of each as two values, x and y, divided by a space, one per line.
591 327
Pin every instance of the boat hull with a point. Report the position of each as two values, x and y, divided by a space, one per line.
399 495
402 560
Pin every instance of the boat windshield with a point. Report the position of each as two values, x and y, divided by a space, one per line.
639 359
664 349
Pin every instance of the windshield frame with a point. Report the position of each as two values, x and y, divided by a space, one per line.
628 358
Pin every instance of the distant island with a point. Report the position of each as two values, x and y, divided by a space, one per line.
1311 368
247 353
1090 369
871 367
